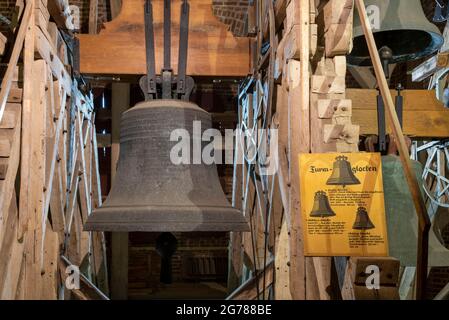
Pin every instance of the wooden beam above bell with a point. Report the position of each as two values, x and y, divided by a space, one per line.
119 48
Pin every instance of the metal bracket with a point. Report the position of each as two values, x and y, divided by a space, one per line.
150 82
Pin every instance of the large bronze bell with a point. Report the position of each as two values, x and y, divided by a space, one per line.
362 220
321 206
150 192
402 221
400 25
342 174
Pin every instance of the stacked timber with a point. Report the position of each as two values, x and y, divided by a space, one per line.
331 112
49 181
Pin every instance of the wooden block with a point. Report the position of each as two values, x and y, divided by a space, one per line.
335 66
313 39
317 125
3 167
340 65
15 95
54 33
384 293
389 270
327 108
292 15
313 11
338 39
328 84
41 17
292 44
338 12
348 133
343 146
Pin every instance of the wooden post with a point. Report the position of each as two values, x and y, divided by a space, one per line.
93 16
116 6
119 261
298 104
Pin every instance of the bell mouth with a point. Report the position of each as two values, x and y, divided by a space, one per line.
163 218
407 45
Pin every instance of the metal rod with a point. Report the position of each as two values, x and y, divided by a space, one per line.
167 34
381 123
183 43
149 43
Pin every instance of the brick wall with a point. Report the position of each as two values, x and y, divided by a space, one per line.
233 13
103 13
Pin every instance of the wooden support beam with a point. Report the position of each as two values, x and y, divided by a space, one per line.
249 291
93 16
299 104
424 116
119 261
120 49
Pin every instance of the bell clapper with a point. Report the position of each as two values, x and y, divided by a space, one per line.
166 245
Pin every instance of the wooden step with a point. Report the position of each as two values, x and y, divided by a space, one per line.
6 136
10 116
5 142
15 95
3 167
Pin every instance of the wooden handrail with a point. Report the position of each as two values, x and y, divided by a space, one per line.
412 182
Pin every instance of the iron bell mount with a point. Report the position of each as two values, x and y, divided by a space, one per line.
321 206
362 220
342 174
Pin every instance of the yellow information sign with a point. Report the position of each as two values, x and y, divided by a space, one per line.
342 203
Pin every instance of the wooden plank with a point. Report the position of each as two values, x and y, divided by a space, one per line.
11 252
33 279
414 100
282 266
25 153
119 48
